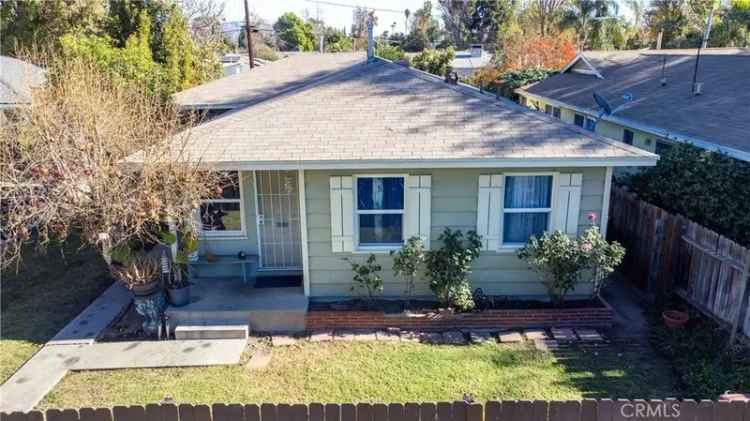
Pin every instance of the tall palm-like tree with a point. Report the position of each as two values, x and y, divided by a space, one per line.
407 12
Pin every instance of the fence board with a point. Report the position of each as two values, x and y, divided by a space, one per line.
586 410
667 253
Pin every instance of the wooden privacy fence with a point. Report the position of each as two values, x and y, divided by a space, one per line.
667 252
586 410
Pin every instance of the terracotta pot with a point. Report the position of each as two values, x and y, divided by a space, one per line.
675 319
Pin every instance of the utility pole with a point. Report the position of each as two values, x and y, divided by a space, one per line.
248 34
704 43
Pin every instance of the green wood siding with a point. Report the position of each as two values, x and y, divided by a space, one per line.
454 205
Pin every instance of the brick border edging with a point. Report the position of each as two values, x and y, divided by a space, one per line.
489 319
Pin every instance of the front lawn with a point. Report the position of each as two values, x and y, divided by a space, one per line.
45 294
381 371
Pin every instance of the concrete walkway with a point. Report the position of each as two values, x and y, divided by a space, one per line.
73 348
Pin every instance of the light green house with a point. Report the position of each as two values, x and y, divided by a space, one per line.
653 98
365 156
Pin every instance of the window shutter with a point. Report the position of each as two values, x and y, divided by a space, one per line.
342 214
418 208
489 210
569 203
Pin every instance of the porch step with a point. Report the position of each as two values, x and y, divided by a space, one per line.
212 331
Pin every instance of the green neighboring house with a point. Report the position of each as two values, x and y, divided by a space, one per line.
664 105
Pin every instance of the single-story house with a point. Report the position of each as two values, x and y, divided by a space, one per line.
246 88
654 100
359 159
470 60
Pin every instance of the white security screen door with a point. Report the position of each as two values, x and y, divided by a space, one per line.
278 220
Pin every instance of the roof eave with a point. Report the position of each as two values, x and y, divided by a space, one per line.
654 130
648 160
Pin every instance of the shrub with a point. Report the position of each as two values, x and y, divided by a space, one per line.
704 365
366 277
389 52
710 188
407 262
562 261
449 267
434 61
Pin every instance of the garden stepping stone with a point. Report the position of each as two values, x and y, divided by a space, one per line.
479 337
589 335
283 340
409 336
343 336
364 336
260 359
565 335
387 336
454 337
532 335
546 344
431 338
321 336
510 337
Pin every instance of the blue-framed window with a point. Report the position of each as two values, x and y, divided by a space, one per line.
578 120
627 136
380 211
527 207
590 124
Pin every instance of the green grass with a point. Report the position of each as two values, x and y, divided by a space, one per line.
38 300
341 372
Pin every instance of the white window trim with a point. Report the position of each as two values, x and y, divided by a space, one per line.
229 234
512 247
358 248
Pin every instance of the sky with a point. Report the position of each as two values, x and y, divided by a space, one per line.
335 16
339 16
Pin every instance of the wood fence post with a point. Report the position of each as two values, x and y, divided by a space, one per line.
743 298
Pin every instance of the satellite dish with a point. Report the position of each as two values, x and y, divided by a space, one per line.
603 105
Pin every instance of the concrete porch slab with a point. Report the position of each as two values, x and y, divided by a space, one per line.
229 301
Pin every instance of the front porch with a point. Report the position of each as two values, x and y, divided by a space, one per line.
229 301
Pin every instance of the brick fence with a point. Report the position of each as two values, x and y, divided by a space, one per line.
487 319
586 410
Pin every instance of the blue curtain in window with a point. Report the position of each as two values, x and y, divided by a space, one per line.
518 227
380 193
528 191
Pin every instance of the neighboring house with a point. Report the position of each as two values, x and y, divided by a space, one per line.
274 78
17 80
665 107
468 61
358 158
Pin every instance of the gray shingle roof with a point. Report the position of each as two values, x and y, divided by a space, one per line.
17 79
262 82
381 113
719 115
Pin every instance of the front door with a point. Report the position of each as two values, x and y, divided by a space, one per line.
278 220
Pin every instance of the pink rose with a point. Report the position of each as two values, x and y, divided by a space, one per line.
591 216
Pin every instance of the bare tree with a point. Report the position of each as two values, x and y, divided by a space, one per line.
205 17
97 156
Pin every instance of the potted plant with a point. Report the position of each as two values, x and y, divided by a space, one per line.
140 273
178 287
675 319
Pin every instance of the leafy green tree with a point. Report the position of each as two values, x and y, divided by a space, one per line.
668 17
434 61
294 33
28 23
389 52
710 188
